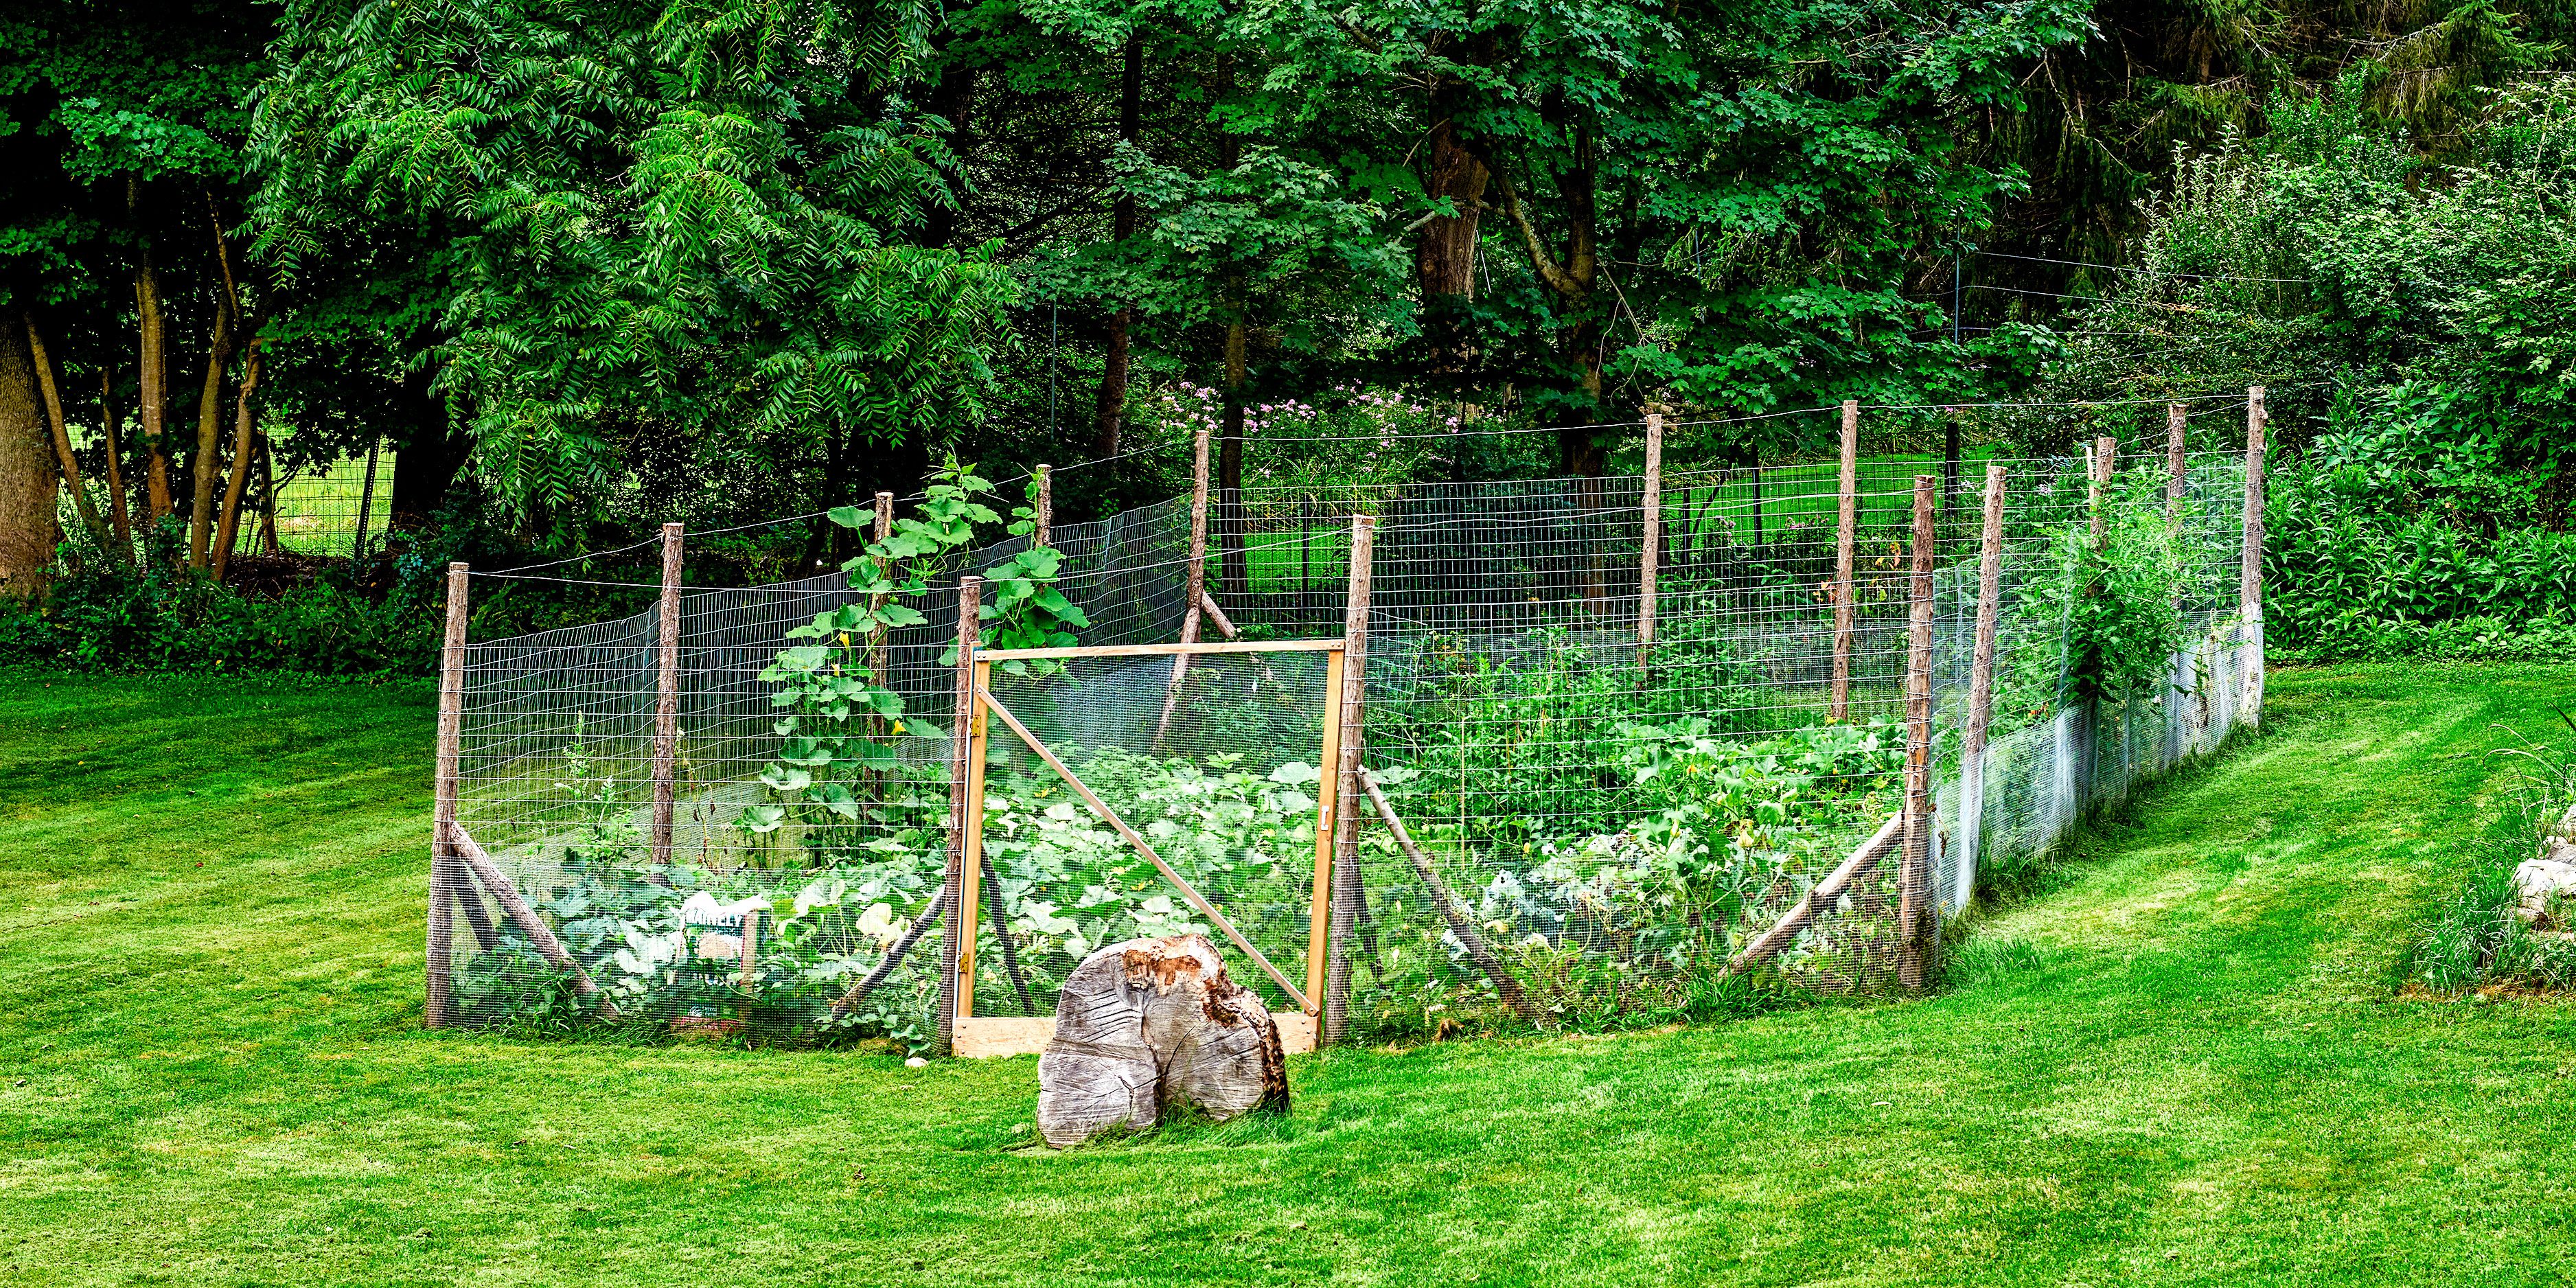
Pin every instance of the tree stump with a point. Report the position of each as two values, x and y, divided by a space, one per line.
1151 1023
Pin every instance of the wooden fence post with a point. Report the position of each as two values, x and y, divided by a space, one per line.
1846 517
1195 589
1970 835
2174 416
1348 789
2178 686
960 747
1198 544
1045 534
1918 920
971 887
1652 542
666 704
2106 462
444 881
2250 586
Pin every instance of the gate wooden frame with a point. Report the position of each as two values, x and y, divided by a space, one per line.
976 1035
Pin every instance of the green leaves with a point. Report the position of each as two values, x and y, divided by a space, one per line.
676 215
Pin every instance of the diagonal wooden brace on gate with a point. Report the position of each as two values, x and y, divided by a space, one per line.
1137 840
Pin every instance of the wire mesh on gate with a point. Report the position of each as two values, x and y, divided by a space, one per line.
1218 775
1619 823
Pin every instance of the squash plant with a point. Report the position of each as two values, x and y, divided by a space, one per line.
837 761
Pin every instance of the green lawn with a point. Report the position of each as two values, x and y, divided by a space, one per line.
210 1070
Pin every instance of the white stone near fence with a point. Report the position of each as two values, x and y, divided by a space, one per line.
2552 872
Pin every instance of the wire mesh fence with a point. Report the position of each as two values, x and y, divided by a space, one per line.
1613 805
328 510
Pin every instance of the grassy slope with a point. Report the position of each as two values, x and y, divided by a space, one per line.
2205 1081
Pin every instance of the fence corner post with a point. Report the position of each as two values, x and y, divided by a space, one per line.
1346 823
439 967
1846 519
1918 920
1651 543
666 702
970 596
2250 587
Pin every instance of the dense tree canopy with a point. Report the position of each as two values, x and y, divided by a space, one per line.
620 260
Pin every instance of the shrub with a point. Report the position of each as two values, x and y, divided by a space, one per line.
166 616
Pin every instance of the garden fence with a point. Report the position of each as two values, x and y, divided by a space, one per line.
1644 735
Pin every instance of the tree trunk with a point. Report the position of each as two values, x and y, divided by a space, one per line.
427 462
64 459
1111 413
228 533
210 404
1444 261
1152 1023
952 99
27 475
155 395
209 464
1571 281
116 497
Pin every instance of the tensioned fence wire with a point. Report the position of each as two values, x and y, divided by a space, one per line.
1616 824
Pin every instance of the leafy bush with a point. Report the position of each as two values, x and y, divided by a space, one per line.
2412 319
2366 561
2100 619
166 616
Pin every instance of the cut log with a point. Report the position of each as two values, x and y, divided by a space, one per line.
1151 1024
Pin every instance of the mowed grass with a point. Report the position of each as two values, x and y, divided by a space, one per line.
2188 1064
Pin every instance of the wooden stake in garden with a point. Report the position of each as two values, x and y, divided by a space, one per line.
1348 788
443 877
1196 590
1846 518
2250 584
1045 533
876 603
1651 543
1462 923
952 888
1918 920
666 702
1970 836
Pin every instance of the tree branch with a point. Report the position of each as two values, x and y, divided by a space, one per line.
1548 271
